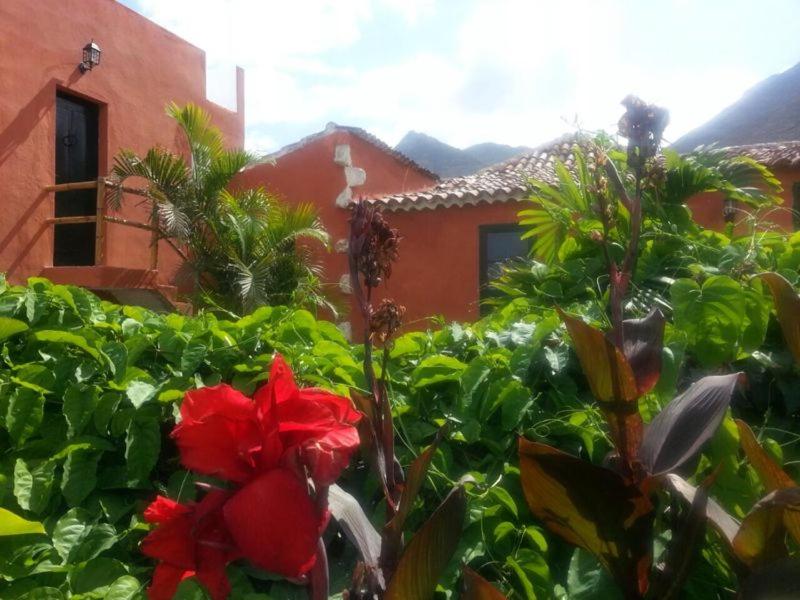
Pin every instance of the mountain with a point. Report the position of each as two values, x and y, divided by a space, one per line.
448 161
767 112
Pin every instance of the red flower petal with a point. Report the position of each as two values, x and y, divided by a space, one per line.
163 509
172 541
219 434
274 523
280 387
166 580
205 402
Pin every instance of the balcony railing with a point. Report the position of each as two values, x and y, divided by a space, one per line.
101 218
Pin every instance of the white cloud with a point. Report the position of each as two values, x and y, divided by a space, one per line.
517 71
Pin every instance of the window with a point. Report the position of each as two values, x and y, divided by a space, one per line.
499 244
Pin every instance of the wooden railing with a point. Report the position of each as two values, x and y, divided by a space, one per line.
101 218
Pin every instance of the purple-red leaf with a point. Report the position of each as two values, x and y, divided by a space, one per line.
590 507
477 588
762 537
787 307
720 520
612 383
776 581
643 342
679 431
415 477
605 366
351 518
684 545
427 554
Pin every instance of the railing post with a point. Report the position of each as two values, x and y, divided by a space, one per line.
100 224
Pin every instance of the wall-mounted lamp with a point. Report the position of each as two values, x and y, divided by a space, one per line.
91 57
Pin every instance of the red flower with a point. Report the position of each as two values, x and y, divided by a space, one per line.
225 434
268 447
316 428
190 540
275 523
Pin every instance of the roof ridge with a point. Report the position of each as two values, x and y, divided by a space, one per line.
333 127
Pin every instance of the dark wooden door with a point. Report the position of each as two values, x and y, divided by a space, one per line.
76 160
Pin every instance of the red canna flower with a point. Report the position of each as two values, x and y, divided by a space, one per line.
190 540
268 447
225 434
316 428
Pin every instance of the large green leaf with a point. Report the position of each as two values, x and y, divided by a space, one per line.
80 475
9 327
712 315
25 412
11 524
428 553
142 445
33 485
592 508
437 369
70 339
80 402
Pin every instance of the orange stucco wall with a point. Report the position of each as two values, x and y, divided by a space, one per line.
143 67
308 174
438 272
707 208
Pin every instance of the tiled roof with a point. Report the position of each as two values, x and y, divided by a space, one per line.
506 181
771 154
357 131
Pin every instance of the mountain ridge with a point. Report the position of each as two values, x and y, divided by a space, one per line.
448 161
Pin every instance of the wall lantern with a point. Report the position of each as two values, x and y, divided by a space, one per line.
91 57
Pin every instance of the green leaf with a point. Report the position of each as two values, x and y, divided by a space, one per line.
514 400
43 593
190 589
80 475
124 588
437 369
139 392
70 531
142 445
192 356
25 411
32 487
428 553
587 580
69 339
9 327
116 354
80 402
11 524
97 575
97 540
711 315
505 499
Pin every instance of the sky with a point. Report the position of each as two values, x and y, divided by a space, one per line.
518 72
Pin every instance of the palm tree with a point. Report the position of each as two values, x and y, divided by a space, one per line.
242 248
566 221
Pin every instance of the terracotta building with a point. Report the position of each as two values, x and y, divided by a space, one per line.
61 123
456 231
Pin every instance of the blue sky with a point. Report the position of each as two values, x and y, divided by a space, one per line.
469 71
